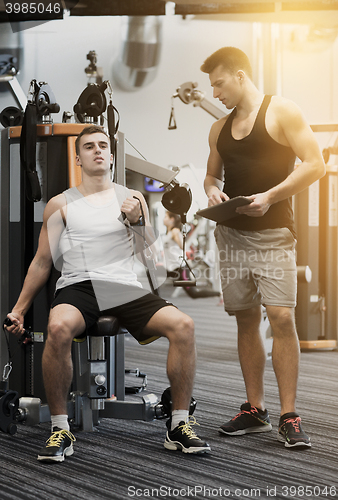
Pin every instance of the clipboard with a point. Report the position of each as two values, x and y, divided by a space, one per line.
225 210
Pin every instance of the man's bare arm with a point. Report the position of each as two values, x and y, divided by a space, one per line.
213 183
38 271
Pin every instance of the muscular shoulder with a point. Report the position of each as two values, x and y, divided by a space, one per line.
283 117
54 204
284 109
216 129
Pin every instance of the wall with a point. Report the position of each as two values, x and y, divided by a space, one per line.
310 76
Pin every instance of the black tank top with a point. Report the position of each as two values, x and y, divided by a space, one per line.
253 165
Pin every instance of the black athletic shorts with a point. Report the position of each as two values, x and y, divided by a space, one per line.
138 307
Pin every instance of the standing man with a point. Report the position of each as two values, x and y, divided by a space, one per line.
252 154
83 228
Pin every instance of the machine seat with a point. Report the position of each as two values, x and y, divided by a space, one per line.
106 326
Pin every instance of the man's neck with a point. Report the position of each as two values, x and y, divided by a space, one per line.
251 100
92 185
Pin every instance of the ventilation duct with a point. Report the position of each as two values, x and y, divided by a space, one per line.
139 56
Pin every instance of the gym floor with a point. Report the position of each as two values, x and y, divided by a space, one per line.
126 459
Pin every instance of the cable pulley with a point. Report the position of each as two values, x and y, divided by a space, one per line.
11 117
91 103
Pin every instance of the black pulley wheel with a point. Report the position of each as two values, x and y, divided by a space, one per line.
45 101
177 199
11 117
91 102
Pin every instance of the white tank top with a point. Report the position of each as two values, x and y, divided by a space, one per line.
95 245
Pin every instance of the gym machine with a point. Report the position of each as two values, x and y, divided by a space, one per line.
99 358
11 115
188 93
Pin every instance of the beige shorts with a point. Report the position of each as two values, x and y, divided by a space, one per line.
257 267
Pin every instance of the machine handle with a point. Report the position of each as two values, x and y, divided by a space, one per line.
27 333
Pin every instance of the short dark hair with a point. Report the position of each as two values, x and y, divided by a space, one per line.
230 58
90 129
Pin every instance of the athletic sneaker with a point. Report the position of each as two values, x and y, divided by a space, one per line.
250 419
58 446
291 433
184 438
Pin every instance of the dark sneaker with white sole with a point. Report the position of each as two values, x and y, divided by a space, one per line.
184 438
58 446
290 432
249 420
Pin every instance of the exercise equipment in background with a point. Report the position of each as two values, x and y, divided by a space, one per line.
11 115
189 94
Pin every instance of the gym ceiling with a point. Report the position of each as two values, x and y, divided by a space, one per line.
271 11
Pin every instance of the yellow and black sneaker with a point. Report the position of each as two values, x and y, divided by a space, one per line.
58 446
184 438
291 433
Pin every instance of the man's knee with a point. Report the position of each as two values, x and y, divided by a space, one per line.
249 319
188 325
59 332
65 322
282 319
183 328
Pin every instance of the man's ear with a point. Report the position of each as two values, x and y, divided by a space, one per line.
241 75
77 161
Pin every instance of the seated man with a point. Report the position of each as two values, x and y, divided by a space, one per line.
83 229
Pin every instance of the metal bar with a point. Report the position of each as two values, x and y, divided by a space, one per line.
211 109
131 410
18 92
148 169
120 163
325 127
119 367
